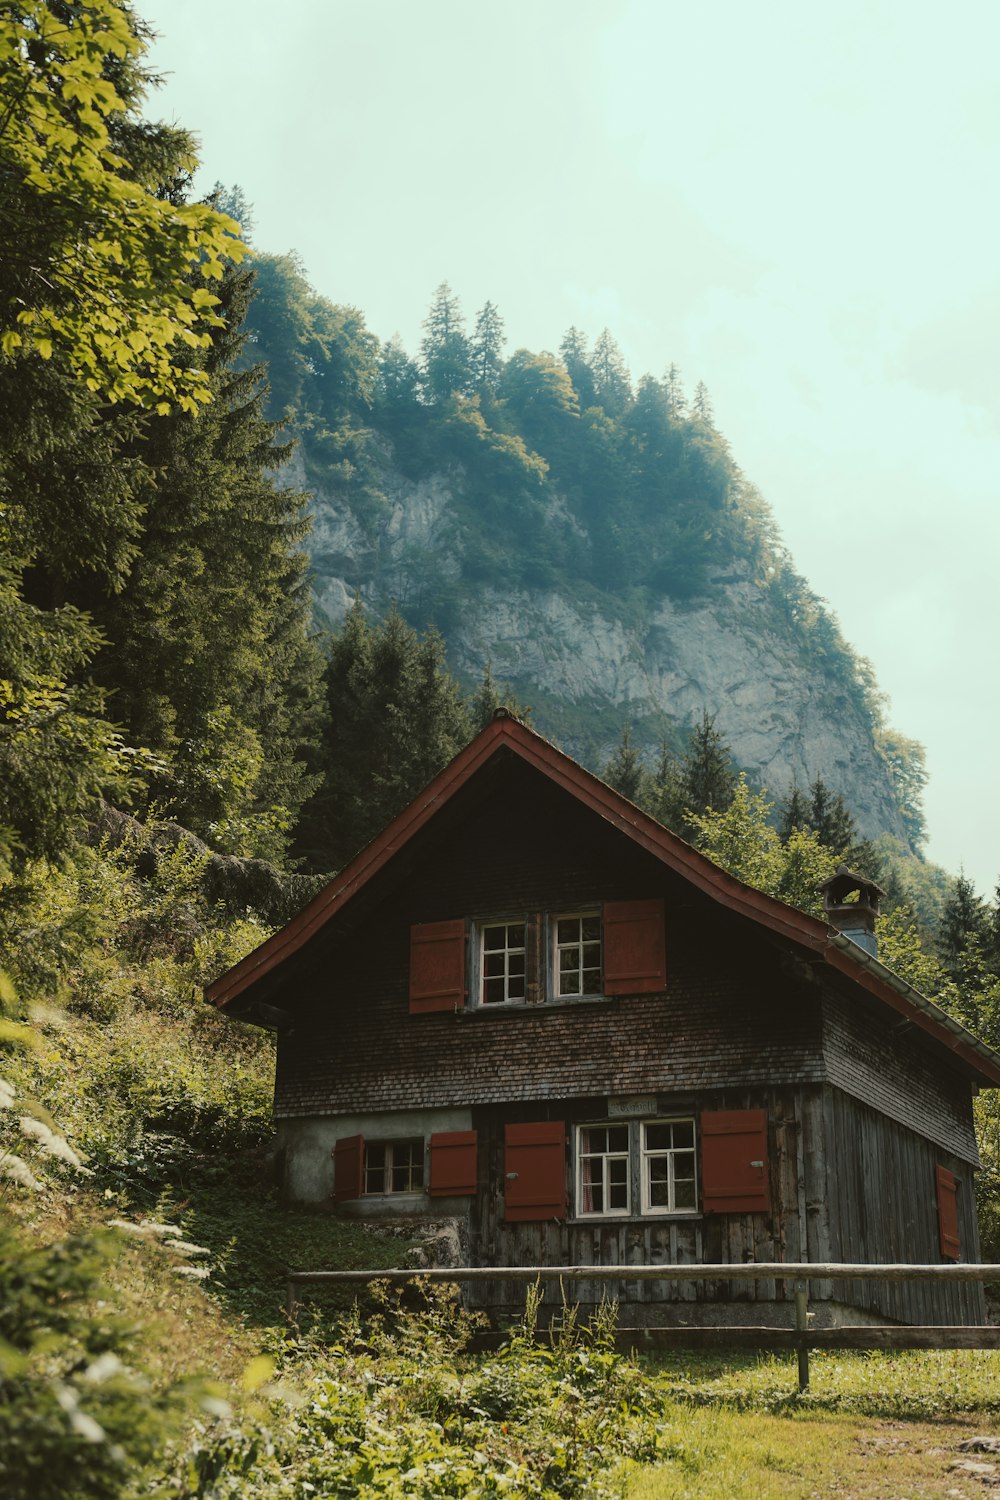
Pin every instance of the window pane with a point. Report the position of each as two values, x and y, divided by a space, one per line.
568 930
659 1194
494 937
618 1195
684 1194
591 981
493 991
375 1167
618 1138
657 1137
618 1170
515 963
591 927
592 956
515 935
683 1133
593 1140
493 963
515 989
684 1164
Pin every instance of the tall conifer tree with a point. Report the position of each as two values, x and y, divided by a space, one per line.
444 349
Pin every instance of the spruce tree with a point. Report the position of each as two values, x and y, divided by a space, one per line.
486 350
612 387
394 718
707 776
626 772
701 406
208 654
964 923
794 813
445 353
666 796
830 819
488 697
573 353
674 390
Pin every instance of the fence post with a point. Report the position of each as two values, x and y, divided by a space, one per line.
802 1328
291 1306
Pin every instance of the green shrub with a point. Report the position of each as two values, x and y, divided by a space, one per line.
398 1408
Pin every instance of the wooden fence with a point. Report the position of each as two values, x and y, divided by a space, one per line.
801 1338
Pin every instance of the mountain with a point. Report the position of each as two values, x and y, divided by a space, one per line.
597 544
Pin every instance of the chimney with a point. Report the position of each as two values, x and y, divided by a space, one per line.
850 903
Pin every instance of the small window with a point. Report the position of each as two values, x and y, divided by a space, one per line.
603 1157
502 962
394 1166
577 954
669 1179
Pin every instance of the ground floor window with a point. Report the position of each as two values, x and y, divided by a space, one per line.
603 1155
669 1180
649 1163
394 1166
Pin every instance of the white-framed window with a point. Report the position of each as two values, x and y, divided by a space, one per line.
648 1163
669 1171
576 953
502 962
394 1166
603 1169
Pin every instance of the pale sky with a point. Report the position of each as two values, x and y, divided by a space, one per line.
795 203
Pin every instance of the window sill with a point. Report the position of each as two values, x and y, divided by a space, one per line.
524 1007
679 1216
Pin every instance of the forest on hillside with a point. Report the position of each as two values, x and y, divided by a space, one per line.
563 477
185 757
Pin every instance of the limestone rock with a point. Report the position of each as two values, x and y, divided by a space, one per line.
586 662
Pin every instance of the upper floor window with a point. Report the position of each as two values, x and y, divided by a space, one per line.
502 962
617 948
577 966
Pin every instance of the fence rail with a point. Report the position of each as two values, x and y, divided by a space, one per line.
801 1338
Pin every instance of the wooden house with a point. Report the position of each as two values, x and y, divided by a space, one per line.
528 1006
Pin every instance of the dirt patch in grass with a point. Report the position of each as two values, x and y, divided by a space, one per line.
725 1455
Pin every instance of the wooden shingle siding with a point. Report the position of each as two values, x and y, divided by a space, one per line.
898 1072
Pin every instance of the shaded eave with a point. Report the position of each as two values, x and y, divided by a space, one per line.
506 733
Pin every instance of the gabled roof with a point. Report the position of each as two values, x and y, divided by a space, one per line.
506 733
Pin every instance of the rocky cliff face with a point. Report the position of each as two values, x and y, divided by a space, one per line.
585 662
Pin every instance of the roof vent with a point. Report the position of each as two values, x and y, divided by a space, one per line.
850 903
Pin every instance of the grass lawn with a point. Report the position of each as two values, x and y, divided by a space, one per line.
871 1425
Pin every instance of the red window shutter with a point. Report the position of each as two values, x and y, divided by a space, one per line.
535 1171
437 966
635 958
734 1161
348 1158
453 1163
947 1207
